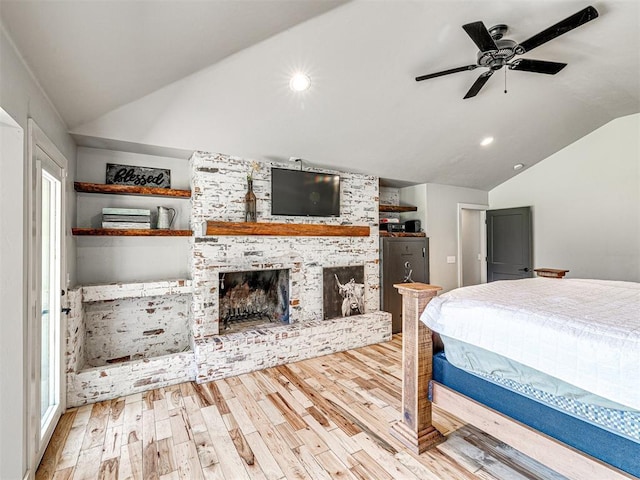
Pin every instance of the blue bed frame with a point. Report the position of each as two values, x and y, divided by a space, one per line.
613 449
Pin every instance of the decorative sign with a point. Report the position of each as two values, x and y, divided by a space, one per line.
343 294
138 176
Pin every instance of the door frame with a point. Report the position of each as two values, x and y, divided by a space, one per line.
483 238
35 444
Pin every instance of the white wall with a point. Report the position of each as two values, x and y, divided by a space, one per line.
11 334
128 259
415 195
586 204
438 211
442 229
21 98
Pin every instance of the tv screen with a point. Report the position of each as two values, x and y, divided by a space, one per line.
298 193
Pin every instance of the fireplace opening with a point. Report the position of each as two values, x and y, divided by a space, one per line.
252 298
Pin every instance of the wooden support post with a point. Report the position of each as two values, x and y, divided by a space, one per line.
415 429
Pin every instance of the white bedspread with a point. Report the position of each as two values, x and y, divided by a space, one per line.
585 332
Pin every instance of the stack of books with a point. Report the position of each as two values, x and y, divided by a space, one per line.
126 218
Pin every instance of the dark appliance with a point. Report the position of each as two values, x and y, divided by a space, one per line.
412 226
395 227
403 260
300 193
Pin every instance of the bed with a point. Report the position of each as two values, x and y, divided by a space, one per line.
551 367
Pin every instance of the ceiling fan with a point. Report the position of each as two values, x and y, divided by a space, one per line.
497 52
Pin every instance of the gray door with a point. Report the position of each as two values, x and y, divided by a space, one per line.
404 259
509 244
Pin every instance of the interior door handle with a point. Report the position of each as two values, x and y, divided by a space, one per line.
525 269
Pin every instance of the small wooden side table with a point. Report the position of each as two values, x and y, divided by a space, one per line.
550 272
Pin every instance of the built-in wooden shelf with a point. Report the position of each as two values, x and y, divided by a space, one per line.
397 208
285 229
117 232
130 190
402 234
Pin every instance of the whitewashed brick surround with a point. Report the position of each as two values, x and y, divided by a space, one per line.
92 337
219 184
237 353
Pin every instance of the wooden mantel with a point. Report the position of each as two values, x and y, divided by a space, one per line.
415 429
285 229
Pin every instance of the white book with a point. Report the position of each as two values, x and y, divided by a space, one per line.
127 225
125 211
127 218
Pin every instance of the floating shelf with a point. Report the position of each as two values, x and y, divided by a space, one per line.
402 234
117 232
285 229
397 208
130 190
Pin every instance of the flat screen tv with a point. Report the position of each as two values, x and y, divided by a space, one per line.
302 194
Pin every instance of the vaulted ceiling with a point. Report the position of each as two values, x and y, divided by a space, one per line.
213 75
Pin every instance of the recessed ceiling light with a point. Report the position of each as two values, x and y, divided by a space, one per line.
518 166
299 82
486 141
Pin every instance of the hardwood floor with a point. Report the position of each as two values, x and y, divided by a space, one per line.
324 418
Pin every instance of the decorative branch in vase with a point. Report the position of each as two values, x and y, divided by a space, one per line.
250 214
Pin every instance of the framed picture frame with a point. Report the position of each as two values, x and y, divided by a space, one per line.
343 291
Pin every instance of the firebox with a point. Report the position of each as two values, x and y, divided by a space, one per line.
254 297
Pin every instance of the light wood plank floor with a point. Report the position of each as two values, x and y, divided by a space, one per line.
324 418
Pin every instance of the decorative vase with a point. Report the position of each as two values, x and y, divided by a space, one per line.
250 203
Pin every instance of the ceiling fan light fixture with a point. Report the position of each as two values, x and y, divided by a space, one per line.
299 82
486 141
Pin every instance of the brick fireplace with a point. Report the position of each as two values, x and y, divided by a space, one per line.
219 184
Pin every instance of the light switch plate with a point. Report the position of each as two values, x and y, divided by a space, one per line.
451 259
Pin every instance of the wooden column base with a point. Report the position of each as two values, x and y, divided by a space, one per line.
417 443
415 429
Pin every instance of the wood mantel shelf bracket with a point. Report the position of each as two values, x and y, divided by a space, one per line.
415 430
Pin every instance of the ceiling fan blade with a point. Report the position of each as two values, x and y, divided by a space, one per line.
479 83
537 66
445 72
580 18
480 36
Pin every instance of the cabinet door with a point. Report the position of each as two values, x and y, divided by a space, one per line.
403 260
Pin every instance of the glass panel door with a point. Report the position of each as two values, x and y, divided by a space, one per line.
46 280
50 297
48 272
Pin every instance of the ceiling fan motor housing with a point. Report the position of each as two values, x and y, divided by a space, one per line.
496 59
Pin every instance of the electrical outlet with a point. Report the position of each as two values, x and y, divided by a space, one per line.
451 259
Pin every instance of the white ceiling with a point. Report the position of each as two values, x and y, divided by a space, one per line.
109 67
92 56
